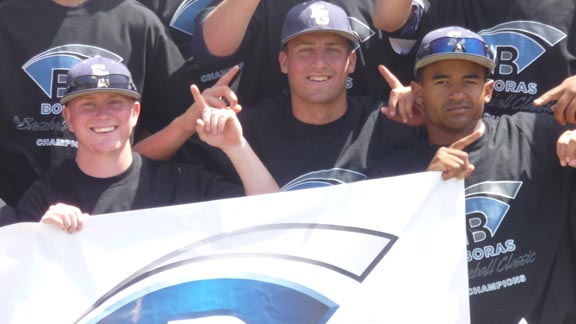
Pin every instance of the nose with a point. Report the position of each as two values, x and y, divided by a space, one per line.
319 60
457 92
101 112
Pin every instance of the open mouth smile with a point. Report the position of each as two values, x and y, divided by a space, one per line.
319 78
104 130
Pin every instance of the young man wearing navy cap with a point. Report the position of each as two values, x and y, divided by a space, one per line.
518 184
102 108
317 135
533 41
249 31
40 42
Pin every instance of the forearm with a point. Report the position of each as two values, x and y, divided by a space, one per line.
164 144
391 15
254 175
225 27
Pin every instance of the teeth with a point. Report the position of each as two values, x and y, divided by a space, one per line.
104 129
318 78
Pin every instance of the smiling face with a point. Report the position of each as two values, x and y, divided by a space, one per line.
318 65
102 122
453 94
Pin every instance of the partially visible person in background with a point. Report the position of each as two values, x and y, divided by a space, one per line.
179 16
247 33
317 134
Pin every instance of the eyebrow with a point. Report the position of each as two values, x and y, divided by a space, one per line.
309 42
467 76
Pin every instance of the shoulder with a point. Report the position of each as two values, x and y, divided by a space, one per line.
534 128
525 122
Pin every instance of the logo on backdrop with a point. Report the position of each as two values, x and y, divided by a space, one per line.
487 206
185 16
518 44
49 68
323 178
169 289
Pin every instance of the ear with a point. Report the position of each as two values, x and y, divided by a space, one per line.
417 92
283 59
135 113
418 97
352 62
66 115
488 90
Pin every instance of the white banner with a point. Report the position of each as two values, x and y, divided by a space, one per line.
379 251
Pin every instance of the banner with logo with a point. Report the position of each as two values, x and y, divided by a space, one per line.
379 251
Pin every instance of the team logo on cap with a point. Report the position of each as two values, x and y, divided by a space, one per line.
320 14
454 33
100 70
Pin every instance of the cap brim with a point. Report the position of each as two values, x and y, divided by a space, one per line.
129 93
481 60
349 36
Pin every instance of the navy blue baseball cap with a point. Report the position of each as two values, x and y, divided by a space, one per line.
99 74
316 16
454 43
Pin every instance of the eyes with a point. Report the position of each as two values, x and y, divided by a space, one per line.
332 50
465 82
90 105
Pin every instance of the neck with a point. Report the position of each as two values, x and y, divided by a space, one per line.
443 137
318 113
69 3
104 165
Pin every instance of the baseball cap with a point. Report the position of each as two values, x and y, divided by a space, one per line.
99 74
451 43
315 16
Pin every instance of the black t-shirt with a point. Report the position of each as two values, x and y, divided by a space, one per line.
40 40
179 16
258 55
146 184
521 262
534 41
7 214
300 155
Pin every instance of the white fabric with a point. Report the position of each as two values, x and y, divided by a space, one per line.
293 239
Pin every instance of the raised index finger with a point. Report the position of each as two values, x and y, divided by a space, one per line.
467 140
199 100
198 96
227 78
390 78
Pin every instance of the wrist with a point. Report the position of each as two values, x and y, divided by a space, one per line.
185 126
236 149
